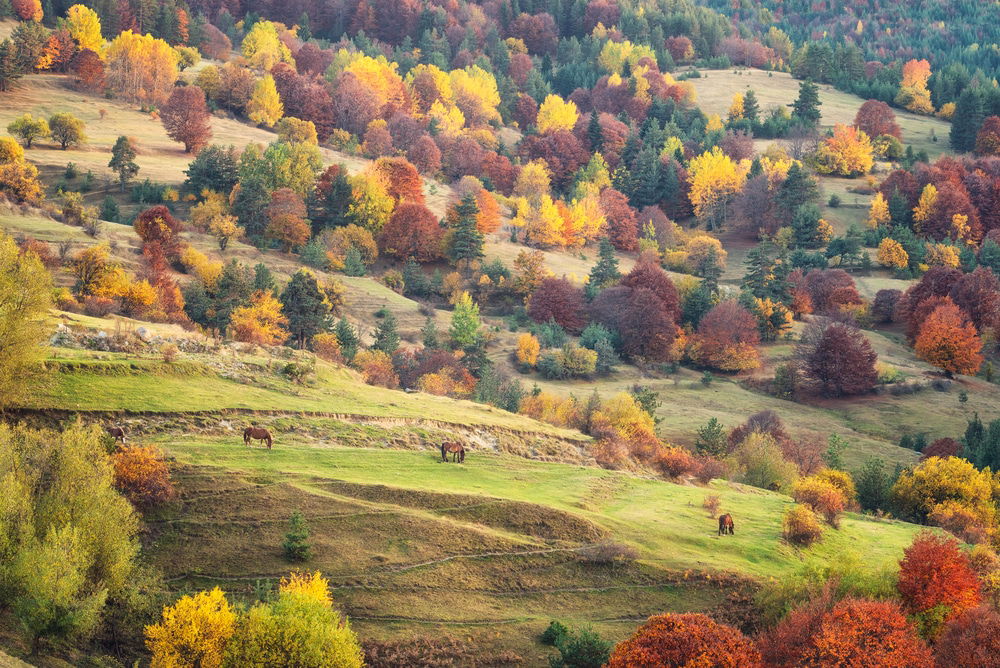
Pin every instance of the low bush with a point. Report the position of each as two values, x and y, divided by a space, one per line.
801 526
142 475
712 503
609 553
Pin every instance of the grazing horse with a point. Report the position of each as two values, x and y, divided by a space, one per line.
457 451
117 433
726 525
258 433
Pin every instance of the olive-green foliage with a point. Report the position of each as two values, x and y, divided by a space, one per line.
67 538
295 630
25 287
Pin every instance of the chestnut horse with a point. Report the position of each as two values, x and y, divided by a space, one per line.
456 450
258 433
726 525
117 433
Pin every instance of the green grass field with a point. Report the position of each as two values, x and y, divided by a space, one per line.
489 549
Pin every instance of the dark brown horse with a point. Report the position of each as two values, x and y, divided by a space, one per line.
258 433
456 450
726 525
117 433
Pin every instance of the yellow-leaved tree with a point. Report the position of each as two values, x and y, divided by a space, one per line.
715 179
892 254
265 107
84 26
878 212
193 632
476 95
736 108
913 93
263 49
849 152
261 322
528 348
25 286
141 68
925 206
556 114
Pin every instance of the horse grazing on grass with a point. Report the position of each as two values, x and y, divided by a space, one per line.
456 450
258 433
726 525
117 433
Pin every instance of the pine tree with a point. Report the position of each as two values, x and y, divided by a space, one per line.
465 323
605 272
711 439
123 161
466 240
347 338
696 304
751 108
386 335
759 273
353 263
305 306
806 105
109 210
967 120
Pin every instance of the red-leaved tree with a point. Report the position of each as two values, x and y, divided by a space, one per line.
412 231
647 274
970 640
185 118
685 640
876 118
560 300
402 179
157 225
838 360
623 229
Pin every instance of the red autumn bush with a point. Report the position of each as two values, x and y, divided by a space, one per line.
141 474
685 640
935 572
970 640
708 469
674 462
942 447
822 496
412 231
855 632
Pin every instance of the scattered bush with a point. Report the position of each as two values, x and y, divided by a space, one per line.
141 474
970 640
296 544
554 634
712 503
822 496
170 352
608 553
583 649
801 526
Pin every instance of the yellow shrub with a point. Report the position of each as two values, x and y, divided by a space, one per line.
194 632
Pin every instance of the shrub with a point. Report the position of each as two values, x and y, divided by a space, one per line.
673 462
430 651
960 521
327 347
553 634
376 368
822 496
141 474
800 526
527 350
296 543
970 640
854 632
760 462
608 553
685 640
194 631
709 468
712 503
584 649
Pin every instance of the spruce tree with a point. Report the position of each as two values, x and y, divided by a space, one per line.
386 335
751 108
10 70
123 161
605 272
806 105
466 240
353 263
798 188
296 543
696 304
347 338
646 179
429 334
109 210
710 270
594 133
967 120
305 306
263 279
711 439
899 209
759 272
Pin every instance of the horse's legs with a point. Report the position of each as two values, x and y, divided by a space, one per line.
268 442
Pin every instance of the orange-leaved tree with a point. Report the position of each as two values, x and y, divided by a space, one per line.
936 581
949 341
848 152
685 640
260 322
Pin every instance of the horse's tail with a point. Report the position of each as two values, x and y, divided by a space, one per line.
444 455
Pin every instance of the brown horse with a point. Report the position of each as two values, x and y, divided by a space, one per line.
726 525
258 433
456 450
117 433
